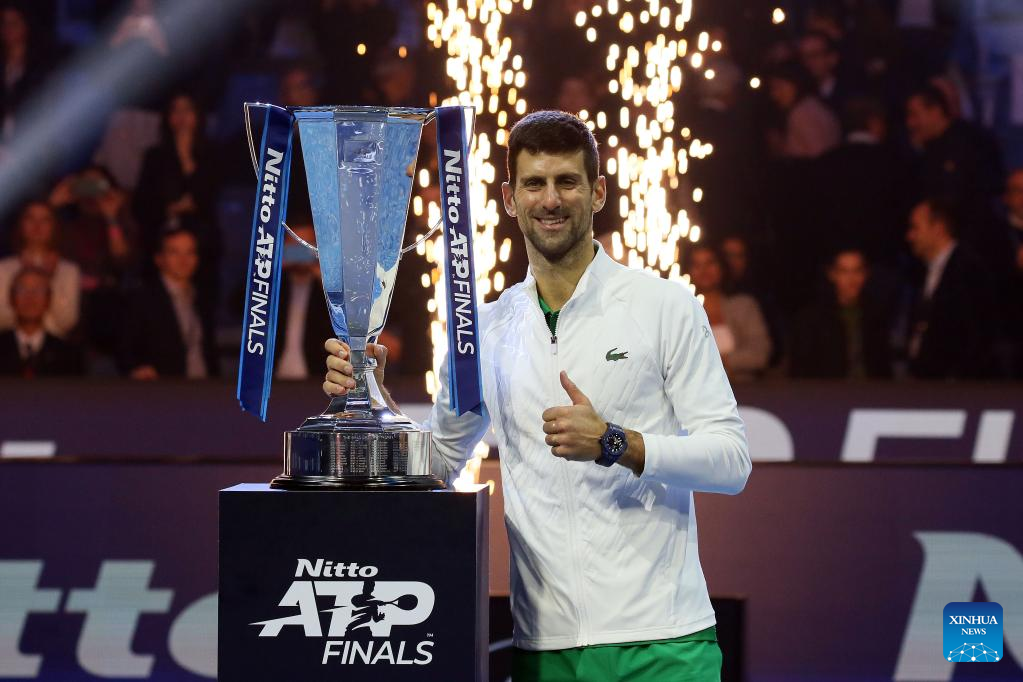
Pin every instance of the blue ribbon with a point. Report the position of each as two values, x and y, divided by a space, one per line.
463 323
256 367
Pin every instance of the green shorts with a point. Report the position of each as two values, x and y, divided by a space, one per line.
693 658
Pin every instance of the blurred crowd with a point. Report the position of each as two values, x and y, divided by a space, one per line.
859 221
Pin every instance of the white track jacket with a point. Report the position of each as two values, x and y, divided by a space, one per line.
599 555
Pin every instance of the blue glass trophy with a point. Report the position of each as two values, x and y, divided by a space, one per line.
359 164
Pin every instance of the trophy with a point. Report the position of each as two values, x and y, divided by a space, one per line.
359 164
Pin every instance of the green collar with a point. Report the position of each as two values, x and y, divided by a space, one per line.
550 315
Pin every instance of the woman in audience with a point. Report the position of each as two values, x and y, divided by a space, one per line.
735 319
178 187
808 127
35 246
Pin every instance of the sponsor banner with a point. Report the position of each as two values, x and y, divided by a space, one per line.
110 570
798 421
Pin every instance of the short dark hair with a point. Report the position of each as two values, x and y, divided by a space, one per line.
170 233
932 97
844 248
28 271
944 211
553 132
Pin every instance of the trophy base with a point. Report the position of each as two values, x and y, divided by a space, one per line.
357 447
285 482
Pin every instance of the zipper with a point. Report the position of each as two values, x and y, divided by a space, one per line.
578 578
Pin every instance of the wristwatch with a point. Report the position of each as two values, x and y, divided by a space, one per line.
613 445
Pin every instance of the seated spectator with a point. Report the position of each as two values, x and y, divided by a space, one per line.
809 128
28 350
178 187
746 277
100 236
169 325
735 319
844 336
952 329
820 57
303 317
35 240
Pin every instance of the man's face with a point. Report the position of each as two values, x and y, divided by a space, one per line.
848 274
817 57
37 225
30 297
923 121
923 232
553 201
178 258
1014 193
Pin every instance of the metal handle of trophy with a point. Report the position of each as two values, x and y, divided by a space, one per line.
255 165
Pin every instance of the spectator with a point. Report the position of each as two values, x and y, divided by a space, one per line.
170 323
100 236
819 55
303 316
178 187
844 336
23 67
29 350
735 320
35 242
746 278
955 163
809 129
951 331
859 187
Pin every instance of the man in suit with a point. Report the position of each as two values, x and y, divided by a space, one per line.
952 327
169 331
28 350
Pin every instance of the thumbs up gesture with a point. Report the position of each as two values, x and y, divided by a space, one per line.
574 431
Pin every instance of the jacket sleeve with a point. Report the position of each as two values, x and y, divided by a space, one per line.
713 456
454 437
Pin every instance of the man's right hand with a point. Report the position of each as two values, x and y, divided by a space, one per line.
339 368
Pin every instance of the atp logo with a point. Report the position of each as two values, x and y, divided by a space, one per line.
359 613
972 632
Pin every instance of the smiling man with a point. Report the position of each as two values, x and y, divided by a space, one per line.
610 407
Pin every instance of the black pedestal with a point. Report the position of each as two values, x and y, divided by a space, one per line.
352 585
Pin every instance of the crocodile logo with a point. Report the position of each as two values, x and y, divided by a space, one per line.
614 357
